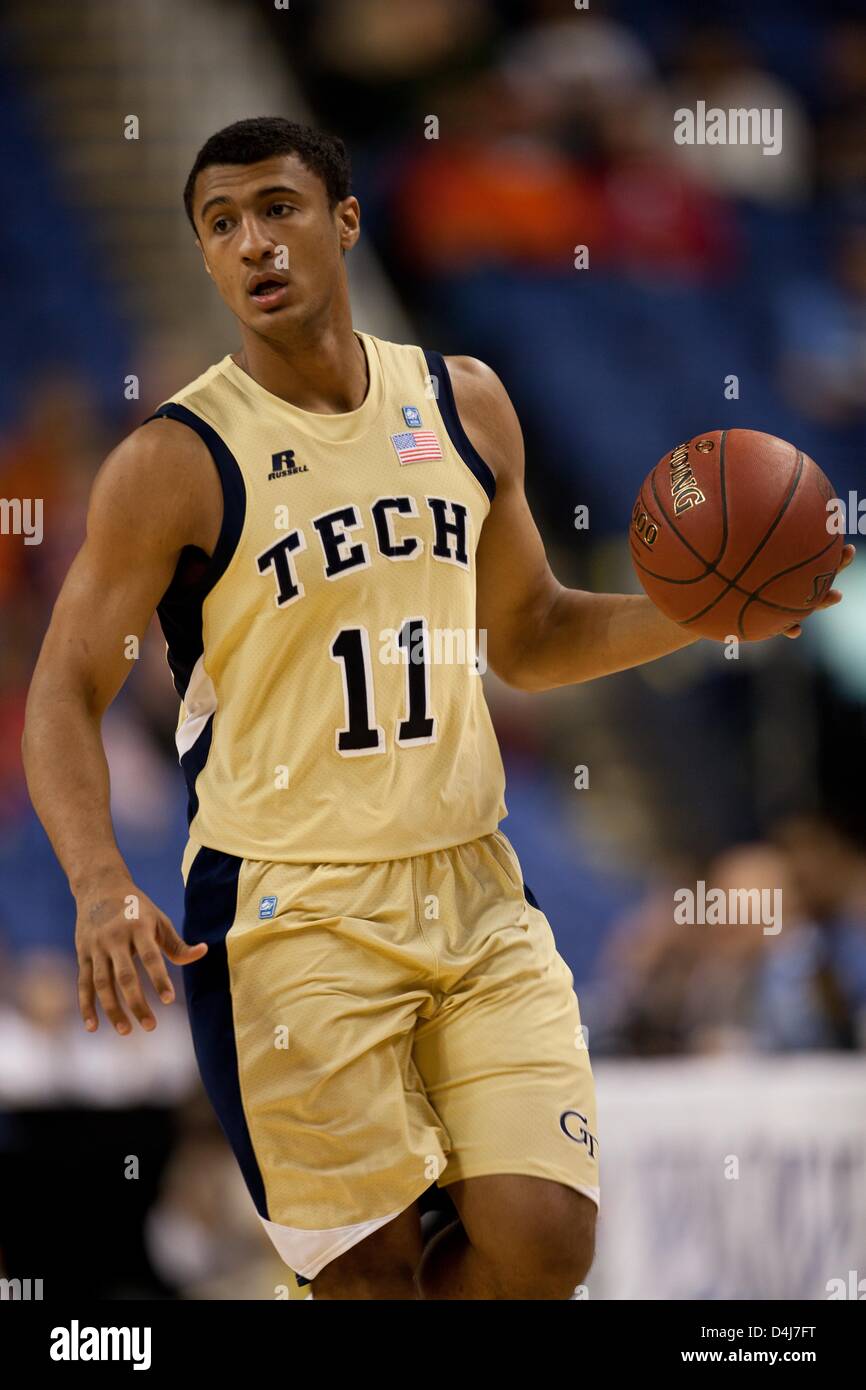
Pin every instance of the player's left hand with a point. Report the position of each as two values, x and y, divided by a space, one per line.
831 598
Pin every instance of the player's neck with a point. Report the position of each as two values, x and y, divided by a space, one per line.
323 371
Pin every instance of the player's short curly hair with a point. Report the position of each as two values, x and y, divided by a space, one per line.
246 142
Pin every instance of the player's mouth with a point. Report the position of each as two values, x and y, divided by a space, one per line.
267 291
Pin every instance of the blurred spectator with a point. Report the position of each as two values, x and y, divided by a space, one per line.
841 133
579 63
822 335
373 40
813 981
50 456
667 986
717 67
661 222
368 65
496 202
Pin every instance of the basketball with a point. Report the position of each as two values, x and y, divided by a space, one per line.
729 535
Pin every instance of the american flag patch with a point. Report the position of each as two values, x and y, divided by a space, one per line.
416 446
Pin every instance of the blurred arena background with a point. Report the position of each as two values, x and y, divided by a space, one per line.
490 139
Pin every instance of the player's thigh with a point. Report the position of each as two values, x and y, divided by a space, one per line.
303 1014
506 1067
539 1228
342 1129
382 1265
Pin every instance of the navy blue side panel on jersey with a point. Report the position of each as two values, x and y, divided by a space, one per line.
457 434
210 905
180 608
192 764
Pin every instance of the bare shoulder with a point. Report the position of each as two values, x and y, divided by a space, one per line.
162 478
487 415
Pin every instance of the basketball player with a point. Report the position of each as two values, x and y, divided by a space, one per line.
376 999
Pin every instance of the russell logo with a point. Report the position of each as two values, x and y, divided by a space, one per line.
283 465
267 908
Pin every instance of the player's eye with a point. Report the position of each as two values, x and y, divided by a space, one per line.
219 224
280 208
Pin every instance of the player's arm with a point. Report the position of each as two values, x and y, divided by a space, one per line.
540 634
155 493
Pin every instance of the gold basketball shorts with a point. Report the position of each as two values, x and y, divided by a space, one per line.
366 1030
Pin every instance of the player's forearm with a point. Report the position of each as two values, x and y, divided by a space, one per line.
68 781
587 635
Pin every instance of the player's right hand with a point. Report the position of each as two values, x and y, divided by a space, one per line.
116 923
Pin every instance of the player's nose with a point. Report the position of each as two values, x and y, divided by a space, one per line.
254 242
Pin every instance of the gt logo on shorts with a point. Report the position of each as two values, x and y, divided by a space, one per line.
583 1135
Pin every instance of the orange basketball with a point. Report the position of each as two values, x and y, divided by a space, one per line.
729 535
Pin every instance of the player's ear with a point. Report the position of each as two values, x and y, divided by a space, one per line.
203 256
348 214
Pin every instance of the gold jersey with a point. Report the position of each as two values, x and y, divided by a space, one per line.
326 654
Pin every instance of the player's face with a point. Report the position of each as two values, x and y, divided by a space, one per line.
270 241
